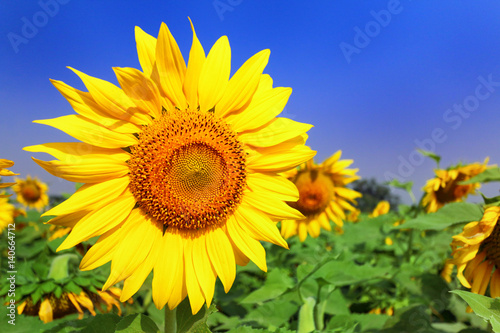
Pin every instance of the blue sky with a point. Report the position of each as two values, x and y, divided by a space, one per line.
377 79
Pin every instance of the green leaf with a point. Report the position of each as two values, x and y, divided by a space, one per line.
488 175
37 294
430 154
276 312
405 186
277 283
453 213
343 273
189 323
364 321
73 288
80 280
306 316
136 323
48 287
485 307
58 292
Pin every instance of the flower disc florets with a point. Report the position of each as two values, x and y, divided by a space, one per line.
188 170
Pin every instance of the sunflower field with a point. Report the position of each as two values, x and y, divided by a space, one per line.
197 208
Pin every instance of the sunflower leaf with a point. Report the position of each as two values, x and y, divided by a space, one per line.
488 175
136 323
277 283
485 307
453 213
430 154
189 323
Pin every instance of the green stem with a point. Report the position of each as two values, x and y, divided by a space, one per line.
170 320
410 245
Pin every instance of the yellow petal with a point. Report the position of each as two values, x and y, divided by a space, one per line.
102 251
84 105
100 221
135 281
45 312
248 245
146 50
313 228
195 294
214 75
112 99
171 67
89 131
243 84
195 64
85 301
258 225
272 206
203 268
275 132
282 157
134 247
5 163
261 110
93 172
91 196
140 89
168 269
277 186
221 255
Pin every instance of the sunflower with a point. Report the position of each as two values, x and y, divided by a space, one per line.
4 172
445 187
7 211
323 196
381 209
52 307
31 192
476 253
353 216
181 168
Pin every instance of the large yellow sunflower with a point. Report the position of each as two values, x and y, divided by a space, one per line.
52 307
476 253
323 196
181 167
31 192
4 172
444 188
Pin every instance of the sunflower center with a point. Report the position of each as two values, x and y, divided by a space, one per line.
315 192
30 192
492 246
188 170
452 191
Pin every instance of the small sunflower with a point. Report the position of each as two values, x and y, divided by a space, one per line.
7 211
323 196
445 187
31 192
381 209
52 307
4 172
353 216
476 253
181 168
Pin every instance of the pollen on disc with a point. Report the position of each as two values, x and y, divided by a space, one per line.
188 170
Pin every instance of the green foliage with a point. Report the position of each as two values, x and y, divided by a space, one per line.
485 307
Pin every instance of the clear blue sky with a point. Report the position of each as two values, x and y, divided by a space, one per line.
372 77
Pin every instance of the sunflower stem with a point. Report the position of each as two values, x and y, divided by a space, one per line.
410 245
170 320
